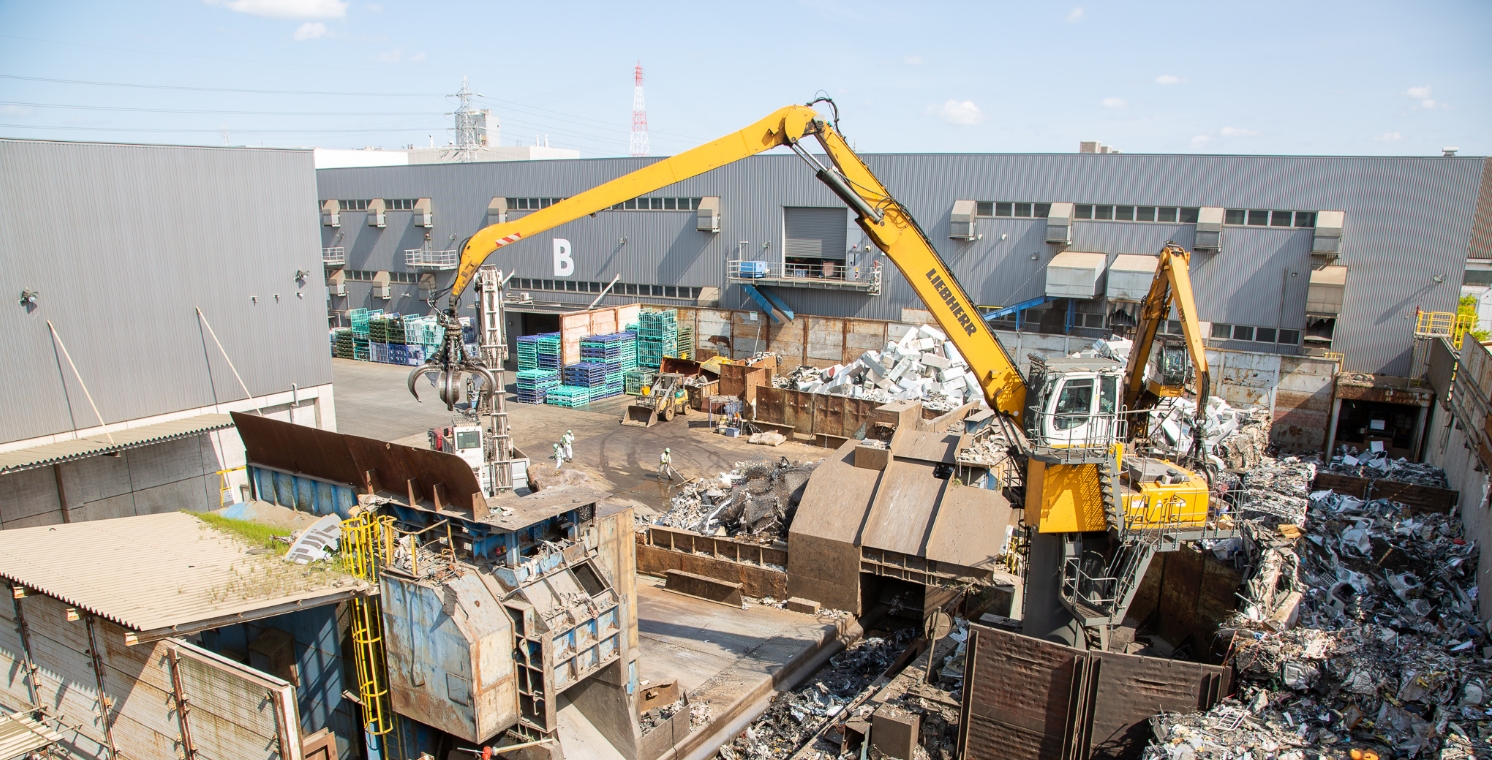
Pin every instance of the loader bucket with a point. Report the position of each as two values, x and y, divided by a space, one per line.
640 416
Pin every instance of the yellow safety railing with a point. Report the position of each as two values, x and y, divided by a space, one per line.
1447 323
1335 356
365 547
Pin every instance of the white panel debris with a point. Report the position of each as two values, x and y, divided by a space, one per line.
922 366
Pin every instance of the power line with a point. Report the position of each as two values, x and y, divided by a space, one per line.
214 131
203 111
218 89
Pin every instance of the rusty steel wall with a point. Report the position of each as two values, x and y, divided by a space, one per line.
1029 698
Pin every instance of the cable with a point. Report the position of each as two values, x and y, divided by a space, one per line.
214 131
202 111
217 89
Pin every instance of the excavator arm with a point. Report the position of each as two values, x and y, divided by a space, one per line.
884 220
1172 286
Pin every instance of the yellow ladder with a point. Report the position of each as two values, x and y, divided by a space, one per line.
364 548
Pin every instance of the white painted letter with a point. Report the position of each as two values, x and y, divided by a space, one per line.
564 266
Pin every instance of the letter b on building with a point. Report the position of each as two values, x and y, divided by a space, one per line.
564 265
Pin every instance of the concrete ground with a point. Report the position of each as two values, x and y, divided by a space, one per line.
373 401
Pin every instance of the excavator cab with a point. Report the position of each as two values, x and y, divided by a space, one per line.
1074 403
1169 368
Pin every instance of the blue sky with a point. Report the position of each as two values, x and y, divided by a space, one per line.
1260 77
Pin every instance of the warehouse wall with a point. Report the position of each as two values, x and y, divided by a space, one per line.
1399 210
124 243
1458 441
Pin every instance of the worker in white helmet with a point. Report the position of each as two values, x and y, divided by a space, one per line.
567 443
559 457
665 466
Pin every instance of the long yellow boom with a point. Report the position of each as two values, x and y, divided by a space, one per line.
882 218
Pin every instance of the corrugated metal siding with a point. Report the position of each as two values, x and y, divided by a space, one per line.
1481 233
124 242
1415 211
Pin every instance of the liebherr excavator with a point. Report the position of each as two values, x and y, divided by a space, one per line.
1067 426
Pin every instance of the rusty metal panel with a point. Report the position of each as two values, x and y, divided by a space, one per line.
797 410
862 335
346 458
712 330
825 342
1021 693
238 713
787 341
769 405
1129 689
748 331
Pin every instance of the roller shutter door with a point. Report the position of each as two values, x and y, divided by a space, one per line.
816 232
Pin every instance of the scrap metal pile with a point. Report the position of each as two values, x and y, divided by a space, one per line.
923 366
755 500
1358 631
1377 464
796 717
1236 438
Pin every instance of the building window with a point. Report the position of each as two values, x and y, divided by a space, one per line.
658 204
1161 214
1013 209
1243 332
529 204
1263 218
1291 337
399 204
1221 331
361 205
1265 334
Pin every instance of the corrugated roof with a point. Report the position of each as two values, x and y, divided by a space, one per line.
92 446
20 733
164 574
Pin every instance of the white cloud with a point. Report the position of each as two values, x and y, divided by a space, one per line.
1200 141
1075 15
1237 132
1114 103
1418 93
961 112
375 7
286 8
1169 79
417 57
912 60
1389 137
310 30
391 56
1428 103
14 111
1422 94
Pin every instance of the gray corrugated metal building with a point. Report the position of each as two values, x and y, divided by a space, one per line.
122 244
108 251
1407 233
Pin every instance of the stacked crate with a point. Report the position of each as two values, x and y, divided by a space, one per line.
534 385
589 375
568 395
617 353
378 352
686 341
528 352
634 380
342 340
547 350
657 336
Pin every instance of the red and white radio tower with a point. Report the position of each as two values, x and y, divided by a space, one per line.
639 117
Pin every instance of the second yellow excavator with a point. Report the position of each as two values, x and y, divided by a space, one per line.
1067 426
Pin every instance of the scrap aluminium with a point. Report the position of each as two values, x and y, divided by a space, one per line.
491 607
1357 637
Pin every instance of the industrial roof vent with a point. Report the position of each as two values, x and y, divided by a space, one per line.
1328 287
1059 224
961 222
707 216
382 287
376 211
1209 229
423 216
497 210
1328 239
1075 275
331 213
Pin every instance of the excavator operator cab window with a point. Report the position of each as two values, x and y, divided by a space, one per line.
1171 364
1074 405
469 439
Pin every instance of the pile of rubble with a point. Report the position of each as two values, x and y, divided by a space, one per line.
755 500
795 717
923 366
1235 438
1358 631
1377 464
